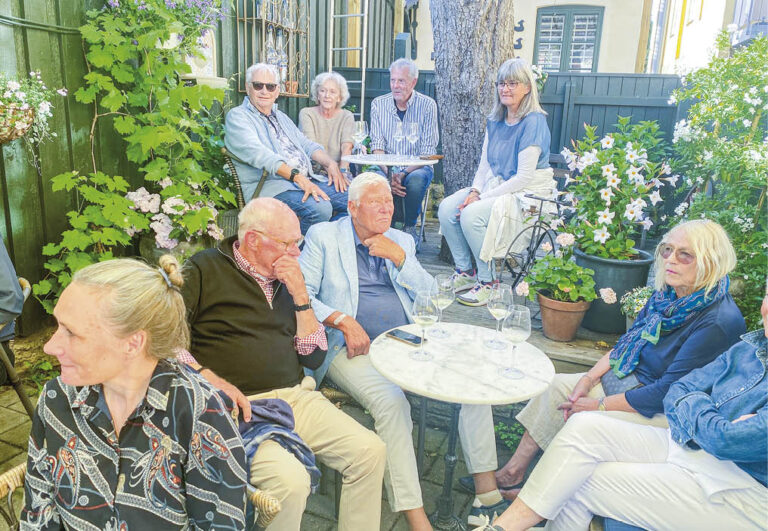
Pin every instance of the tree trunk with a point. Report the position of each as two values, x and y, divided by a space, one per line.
472 39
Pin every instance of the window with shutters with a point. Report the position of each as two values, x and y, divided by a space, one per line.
568 38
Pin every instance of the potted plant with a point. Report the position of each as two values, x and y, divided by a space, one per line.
617 183
25 106
564 290
633 301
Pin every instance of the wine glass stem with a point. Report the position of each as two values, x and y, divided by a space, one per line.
423 332
498 324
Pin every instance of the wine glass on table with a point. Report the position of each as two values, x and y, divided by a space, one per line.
360 134
444 294
498 304
424 314
398 137
516 329
412 133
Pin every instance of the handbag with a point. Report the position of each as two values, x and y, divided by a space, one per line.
613 385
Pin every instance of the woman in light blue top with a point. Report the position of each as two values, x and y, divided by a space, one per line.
514 161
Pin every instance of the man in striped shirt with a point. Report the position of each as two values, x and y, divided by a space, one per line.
402 107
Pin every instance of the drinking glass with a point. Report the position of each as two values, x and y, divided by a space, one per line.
412 133
516 329
360 134
444 295
425 314
498 304
398 137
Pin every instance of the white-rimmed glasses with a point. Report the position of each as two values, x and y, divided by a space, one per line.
516 329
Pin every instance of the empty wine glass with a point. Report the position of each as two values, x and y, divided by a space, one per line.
498 304
516 329
444 295
360 134
399 136
412 134
424 314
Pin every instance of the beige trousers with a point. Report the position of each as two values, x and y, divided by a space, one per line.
339 442
601 465
543 420
391 413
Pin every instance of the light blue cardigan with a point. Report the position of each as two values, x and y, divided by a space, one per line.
252 139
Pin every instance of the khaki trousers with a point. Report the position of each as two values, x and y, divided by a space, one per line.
391 413
339 442
601 465
543 420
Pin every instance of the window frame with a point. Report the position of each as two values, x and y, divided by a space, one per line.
570 11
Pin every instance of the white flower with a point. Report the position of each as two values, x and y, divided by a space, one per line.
605 195
747 123
681 208
522 288
632 156
639 203
608 169
666 169
174 205
608 295
614 181
607 142
605 217
19 125
589 158
13 85
565 239
634 175
673 180
44 108
655 197
546 247
20 95
647 224
656 183
62 92
672 99
602 234
557 222
568 155
215 232
632 213
165 183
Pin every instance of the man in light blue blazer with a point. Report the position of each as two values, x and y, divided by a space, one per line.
362 277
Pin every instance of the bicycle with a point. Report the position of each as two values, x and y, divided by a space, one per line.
518 263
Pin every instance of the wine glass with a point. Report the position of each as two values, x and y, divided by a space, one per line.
516 329
444 295
498 304
424 314
412 134
399 136
360 134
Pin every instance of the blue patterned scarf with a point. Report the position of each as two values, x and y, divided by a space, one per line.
664 314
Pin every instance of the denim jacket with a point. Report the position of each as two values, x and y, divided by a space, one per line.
250 138
702 406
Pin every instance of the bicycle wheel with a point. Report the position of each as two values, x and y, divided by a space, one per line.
524 250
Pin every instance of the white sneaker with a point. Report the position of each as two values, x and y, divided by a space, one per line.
477 296
463 281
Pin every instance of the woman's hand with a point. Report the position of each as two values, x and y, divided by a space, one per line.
582 404
473 196
582 388
336 178
309 188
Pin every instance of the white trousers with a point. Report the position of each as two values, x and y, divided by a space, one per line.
598 465
391 413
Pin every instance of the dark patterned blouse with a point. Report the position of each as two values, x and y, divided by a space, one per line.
179 462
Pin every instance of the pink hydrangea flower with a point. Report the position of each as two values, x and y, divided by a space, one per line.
608 295
522 288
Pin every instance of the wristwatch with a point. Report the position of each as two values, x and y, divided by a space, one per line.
294 173
303 307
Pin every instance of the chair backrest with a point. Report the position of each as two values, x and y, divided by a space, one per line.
10 481
228 156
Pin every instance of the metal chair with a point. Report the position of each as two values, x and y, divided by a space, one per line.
6 355
425 205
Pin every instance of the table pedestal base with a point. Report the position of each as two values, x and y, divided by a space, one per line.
444 518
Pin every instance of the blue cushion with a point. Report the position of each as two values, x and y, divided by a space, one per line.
614 525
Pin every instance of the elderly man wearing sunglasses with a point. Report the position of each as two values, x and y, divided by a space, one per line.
271 148
688 321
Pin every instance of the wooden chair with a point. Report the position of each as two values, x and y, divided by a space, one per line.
6 355
228 218
267 506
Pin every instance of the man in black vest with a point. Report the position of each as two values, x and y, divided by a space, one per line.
252 330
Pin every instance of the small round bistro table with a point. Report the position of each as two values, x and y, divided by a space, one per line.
462 371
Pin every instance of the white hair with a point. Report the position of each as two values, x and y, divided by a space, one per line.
518 70
413 70
262 67
337 78
257 214
363 181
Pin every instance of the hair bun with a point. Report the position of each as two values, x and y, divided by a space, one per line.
170 265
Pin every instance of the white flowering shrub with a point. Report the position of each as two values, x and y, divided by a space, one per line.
616 185
722 152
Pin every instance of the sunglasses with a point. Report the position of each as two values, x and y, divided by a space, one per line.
684 257
258 86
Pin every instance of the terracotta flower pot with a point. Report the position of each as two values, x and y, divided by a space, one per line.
560 320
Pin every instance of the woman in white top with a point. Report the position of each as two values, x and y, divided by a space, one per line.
514 161
327 123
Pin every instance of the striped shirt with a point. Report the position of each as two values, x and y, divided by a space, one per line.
420 109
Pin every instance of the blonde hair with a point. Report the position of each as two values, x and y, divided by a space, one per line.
337 78
518 70
141 297
715 256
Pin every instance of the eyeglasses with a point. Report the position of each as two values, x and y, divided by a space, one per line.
684 257
257 85
507 84
286 244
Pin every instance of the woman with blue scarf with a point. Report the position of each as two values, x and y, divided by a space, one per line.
689 320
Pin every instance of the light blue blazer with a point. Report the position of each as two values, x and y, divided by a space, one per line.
329 264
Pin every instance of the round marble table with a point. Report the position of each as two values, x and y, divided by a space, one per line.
462 371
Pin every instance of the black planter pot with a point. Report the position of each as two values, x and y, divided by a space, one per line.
622 276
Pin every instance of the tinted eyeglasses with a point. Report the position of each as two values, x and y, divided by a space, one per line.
684 257
507 84
258 86
286 244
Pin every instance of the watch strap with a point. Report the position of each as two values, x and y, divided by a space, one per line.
302 307
294 173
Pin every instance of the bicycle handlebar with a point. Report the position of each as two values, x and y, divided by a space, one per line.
555 201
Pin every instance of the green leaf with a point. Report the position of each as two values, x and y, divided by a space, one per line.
125 125
100 58
122 73
86 94
113 100
54 265
76 261
42 288
51 249
77 221
90 33
64 181
74 239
